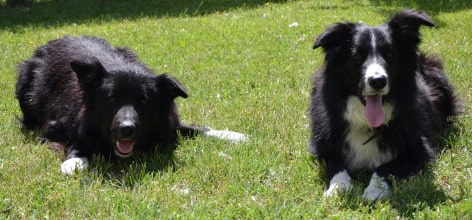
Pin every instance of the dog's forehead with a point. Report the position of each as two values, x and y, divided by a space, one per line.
371 35
129 83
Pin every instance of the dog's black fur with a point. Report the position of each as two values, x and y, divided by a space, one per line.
90 98
413 86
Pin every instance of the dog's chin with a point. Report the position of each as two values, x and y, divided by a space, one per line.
121 155
367 90
124 148
362 95
362 98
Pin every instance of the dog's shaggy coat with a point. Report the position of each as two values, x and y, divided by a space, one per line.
88 97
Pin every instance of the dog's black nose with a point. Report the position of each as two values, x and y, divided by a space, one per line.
378 82
125 124
127 130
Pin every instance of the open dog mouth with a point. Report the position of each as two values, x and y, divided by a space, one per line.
124 148
373 109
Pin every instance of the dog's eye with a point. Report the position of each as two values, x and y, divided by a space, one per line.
357 56
387 53
111 97
144 99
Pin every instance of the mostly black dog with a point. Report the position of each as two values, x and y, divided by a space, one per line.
377 102
90 98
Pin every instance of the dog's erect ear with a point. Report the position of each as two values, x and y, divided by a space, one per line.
170 86
407 23
335 36
88 71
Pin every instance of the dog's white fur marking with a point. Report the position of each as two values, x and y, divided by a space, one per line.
69 166
360 155
377 189
373 42
231 136
340 183
373 71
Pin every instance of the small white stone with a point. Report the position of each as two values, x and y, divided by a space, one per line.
294 24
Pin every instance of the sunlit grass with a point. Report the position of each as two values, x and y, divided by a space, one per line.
247 68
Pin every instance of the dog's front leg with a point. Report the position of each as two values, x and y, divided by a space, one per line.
339 179
404 166
75 161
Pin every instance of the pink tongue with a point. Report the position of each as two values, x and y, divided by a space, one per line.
373 110
125 147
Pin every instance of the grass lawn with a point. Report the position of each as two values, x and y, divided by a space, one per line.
247 66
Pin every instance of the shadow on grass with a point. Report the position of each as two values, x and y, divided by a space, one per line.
60 12
431 7
108 168
416 194
119 172
408 196
129 172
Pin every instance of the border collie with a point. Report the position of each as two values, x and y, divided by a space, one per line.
88 97
377 103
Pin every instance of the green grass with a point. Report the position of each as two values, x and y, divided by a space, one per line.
245 70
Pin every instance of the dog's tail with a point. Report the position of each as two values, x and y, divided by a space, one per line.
445 101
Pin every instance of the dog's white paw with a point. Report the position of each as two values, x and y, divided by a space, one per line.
340 183
377 189
231 136
69 166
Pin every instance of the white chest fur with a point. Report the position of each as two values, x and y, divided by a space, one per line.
360 155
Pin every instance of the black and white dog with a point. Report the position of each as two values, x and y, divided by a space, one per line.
377 102
88 97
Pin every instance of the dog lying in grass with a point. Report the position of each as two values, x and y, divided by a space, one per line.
88 97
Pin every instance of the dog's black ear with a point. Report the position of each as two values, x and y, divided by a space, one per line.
410 19
170 86
335 36
88 70
407 24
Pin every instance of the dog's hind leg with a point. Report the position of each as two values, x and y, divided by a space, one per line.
231 136
188 131
191 131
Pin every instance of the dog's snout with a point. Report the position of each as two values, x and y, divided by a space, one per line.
127 130
125 124
378 82
376 79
